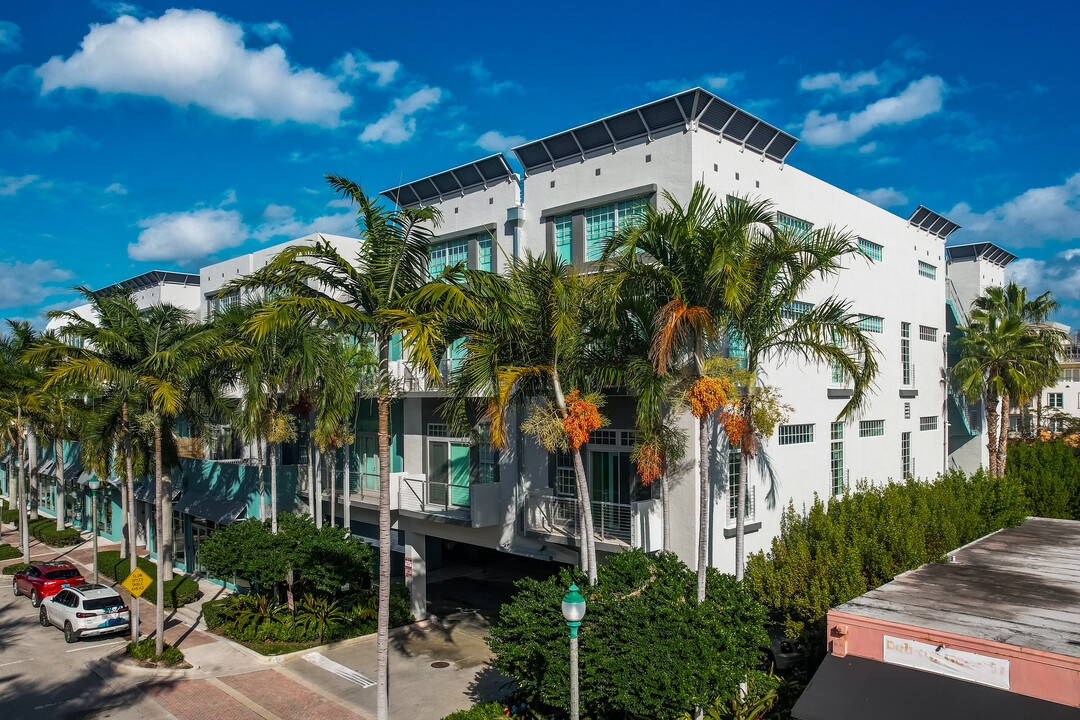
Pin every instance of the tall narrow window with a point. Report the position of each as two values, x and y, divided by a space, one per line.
563 244
837 373
737 348
565 482
836 459
905 455
599 226
905 351
734 472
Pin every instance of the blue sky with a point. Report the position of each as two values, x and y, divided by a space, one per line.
147 136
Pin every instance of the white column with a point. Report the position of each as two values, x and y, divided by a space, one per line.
416 572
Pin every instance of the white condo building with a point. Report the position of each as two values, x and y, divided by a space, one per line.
454 501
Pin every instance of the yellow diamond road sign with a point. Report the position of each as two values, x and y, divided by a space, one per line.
137 582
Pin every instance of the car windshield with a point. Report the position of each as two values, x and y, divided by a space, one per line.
102 603
66 574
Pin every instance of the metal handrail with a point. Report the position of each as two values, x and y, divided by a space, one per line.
420 494
612 522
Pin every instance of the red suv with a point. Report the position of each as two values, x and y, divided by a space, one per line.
45 579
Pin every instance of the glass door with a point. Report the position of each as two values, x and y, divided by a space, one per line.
367 450
200 530
459 475
604 482
439 480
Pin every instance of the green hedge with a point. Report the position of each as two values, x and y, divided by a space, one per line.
10 515
1050 475
214 613
145 651
44 530
482 711
7 552
178 592
834 552
14 568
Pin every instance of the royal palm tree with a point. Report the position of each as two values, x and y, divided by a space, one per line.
1008 352
369 297
19 384
729 269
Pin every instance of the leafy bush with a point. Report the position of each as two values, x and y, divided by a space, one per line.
833 553
215 613
144 650
482 711
647 647
15 567
1050 475
7 552
178 592
767 697
11 516
323 559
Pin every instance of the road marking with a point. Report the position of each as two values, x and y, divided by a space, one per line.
96 645
320 660
16 662
42 707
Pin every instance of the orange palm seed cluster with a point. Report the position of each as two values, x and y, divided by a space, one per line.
650 463
707 394
581 418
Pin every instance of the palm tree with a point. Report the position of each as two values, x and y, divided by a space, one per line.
371 298
18 385
526 340
63 417
165 349
730 269
1007 353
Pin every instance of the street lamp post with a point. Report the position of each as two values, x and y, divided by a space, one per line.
94 485
573 609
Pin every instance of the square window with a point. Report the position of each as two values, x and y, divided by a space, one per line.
927 270
928 422
870 249
648 158
871 428
1057 400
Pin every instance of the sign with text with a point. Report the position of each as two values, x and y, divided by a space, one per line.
289 597
939 659
408 566
137 582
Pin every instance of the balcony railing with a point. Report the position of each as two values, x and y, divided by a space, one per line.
417 493
364 487
550 514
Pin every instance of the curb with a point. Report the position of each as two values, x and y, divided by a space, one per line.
113 661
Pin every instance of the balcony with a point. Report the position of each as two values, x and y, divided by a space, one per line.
439 501
620 525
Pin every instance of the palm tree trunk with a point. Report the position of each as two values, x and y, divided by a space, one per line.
703 507
346 521
585 502
59 450
130 523
665 502
31 454
159 507
273 487
1038 413
382 699
1003 436
313 502
331 478
24 526
262 481
316 491
992 430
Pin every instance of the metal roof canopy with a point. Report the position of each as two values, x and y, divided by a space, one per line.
150 279
985 250
450 182
690 109
926 219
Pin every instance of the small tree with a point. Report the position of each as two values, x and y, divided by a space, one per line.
647 648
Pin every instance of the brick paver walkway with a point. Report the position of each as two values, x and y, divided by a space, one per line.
287 698
198 700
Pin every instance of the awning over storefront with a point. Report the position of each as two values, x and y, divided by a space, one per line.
84 479
211 507
854 688
146 492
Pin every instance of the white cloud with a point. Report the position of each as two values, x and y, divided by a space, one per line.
844 84
272 31
228 198
1034 217
116 189
118 8
399 125
11 185
921 98
10 37
883 197
485 82
1059 275
715 83
357 66
194 57
46 141
494 141
182 236
281 221
23 284
867 148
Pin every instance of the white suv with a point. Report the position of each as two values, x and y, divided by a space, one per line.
86 610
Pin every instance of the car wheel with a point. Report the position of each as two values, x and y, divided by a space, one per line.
15 587
43 617
35 599
69 633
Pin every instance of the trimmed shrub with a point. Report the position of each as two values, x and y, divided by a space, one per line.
10 516
214 613
482 711
178 592
145 651
15 567
44 530
7 552
1050 475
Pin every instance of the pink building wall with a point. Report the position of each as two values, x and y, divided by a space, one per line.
1035 673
